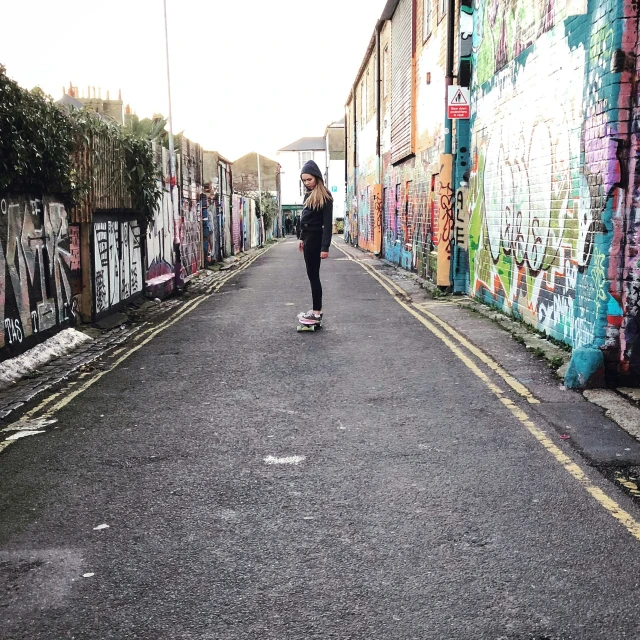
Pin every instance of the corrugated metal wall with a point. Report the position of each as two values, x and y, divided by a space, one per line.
401 81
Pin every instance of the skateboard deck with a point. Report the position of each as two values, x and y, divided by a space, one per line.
304 325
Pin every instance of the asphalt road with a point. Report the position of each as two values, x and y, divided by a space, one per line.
419 507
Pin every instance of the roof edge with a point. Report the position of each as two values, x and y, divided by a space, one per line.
387 14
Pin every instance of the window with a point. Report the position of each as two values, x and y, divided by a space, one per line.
305 156
427 18
442 9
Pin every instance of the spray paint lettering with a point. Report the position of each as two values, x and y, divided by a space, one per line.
43 279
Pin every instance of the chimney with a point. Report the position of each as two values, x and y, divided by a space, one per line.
107 95
120 95
100 93
88 93
127 110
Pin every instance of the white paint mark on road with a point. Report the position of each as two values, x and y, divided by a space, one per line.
88 575
30 425
23 434
286 460
100 527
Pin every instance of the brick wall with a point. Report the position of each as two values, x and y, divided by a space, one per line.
547 191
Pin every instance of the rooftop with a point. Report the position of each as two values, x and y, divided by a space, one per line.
306 144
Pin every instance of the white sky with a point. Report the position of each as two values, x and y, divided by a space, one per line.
246 75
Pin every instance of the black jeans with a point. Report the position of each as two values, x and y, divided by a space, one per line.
312 247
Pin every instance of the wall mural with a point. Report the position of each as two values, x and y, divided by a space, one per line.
117 263
39 268
191 236
547 171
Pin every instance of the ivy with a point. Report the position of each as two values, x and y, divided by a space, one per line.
267 209
38 141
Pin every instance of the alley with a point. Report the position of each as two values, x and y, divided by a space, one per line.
374 481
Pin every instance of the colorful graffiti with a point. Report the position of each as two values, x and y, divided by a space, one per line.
547 174
191 237
504 29
39 267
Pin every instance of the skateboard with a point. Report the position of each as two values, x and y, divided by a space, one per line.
305 325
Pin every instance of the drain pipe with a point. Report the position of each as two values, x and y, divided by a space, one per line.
451 23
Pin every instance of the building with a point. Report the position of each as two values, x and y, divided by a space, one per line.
503 163
292 159
110 109
335 171
245 174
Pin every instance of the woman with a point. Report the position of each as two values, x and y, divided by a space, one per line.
316 226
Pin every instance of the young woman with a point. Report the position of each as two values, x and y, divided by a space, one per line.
316 227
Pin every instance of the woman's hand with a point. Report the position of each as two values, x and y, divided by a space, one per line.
300 246
324 254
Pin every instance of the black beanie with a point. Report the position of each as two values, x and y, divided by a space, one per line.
312 169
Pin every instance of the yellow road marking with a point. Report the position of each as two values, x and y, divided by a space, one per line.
610 505
152 331
515 384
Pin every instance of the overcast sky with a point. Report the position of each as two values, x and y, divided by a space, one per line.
245 75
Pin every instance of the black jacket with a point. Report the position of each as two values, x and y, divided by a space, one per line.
318 220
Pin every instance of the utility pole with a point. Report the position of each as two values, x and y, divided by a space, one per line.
262 229
172 163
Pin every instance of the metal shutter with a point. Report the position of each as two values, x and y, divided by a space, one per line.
401 76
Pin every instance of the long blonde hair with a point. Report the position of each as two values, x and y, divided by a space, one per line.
318 196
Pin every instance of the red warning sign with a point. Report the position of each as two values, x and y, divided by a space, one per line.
458 103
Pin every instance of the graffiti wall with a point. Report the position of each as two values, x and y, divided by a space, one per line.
190 229
160 232
547 192
236 223
191 245
415 194
117 263
39 270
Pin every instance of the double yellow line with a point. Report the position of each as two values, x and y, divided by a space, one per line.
444 332
49 407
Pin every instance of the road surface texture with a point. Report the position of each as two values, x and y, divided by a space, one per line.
377 480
